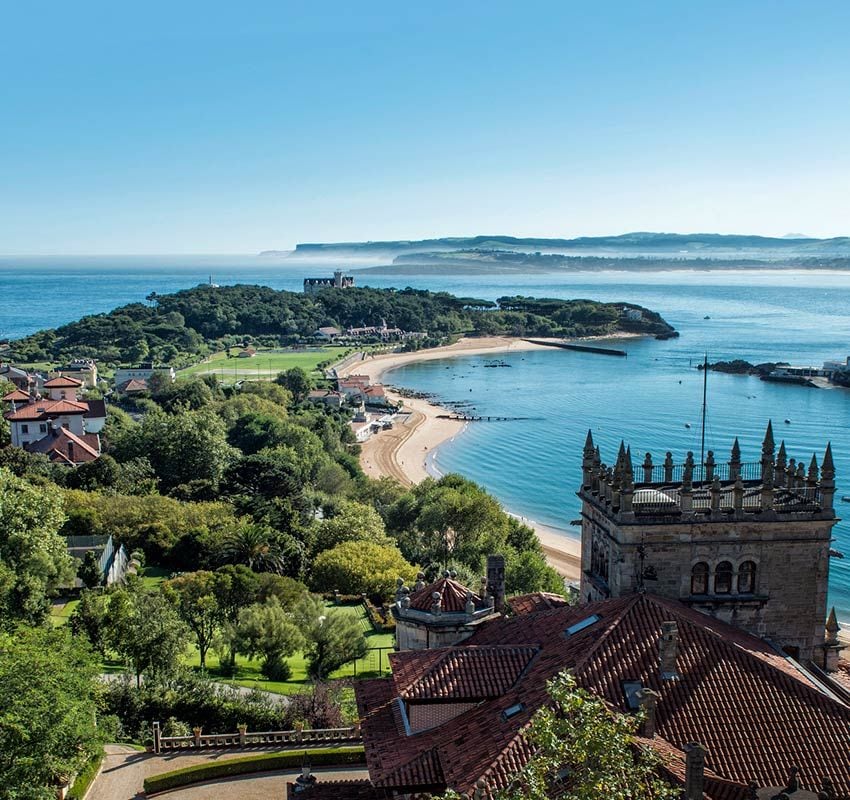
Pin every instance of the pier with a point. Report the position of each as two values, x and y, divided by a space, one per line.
581 348
483 418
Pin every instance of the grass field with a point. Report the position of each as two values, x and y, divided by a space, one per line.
266 364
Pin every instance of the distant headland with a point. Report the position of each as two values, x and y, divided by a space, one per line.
630 251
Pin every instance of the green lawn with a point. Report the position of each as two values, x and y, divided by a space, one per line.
61 611
248 671
266 364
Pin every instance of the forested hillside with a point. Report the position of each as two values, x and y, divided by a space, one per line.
194 321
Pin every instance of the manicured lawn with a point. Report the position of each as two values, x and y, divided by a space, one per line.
152 577
61 612
248 671
266 364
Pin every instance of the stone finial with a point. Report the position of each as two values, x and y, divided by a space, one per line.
648 700
437 603
782 455
587 461
768 446
801 475
813 471
470 604
480 789
447 573
420 581
589 448
735 461
827 479
827 790
688 473
668 467
738 495
710 465
790 473
647 468
779 465
715 494
793 782
832 628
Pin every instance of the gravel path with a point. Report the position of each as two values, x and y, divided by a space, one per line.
124 771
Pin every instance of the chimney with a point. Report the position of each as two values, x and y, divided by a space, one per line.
668 651
496 580
648 700
694 771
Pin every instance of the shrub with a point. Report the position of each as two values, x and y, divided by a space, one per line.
85 778
261 763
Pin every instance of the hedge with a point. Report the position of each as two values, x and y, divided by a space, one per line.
267 762
85 777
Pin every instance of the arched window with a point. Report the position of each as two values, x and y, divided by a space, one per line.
699 578
723 578
747 577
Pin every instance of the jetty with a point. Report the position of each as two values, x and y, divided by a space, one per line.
482 418
581 348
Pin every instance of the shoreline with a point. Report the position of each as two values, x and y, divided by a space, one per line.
407 453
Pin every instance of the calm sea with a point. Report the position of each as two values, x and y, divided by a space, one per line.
647 399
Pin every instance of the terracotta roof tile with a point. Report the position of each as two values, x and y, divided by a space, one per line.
44 409
63 382
751 708
17 396
55 446
453 596
536 601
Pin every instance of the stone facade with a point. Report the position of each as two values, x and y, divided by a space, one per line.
746 543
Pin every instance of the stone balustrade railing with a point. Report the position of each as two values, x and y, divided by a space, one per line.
295 738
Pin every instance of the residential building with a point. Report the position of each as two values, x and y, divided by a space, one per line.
23 379
83 369
339 281
375 396
61 426
142 372
325 397
328 332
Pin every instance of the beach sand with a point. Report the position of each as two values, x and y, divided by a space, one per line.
402 452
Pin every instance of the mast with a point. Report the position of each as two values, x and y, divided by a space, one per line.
704 405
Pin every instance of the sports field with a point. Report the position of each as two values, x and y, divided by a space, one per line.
266 364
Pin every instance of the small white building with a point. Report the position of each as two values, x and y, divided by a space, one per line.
143 372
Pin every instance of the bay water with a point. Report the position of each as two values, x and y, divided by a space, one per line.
648 399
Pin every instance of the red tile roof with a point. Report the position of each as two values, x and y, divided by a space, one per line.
536 601
751 708
85 448
468 673
453 596
134 385
17 396
45 409
63 382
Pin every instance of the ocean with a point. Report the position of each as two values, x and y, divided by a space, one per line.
534 465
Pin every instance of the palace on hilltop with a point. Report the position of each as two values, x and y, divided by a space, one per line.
702 606
339 281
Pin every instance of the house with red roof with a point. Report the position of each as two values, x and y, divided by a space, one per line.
61 426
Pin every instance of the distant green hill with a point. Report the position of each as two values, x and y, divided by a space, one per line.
635 244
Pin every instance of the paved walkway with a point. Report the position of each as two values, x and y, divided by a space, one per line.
124 771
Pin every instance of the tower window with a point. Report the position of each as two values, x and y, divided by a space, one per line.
699 578
723 578
747 577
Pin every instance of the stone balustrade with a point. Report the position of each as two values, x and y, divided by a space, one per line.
242 738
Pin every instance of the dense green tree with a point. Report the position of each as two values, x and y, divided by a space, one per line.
580 738
333 638
192 393
268 631
146 632
180 447
361 566
236 587
351 521
90 619
296 381
196 597
288 591
255 546
34 560
48 694
89 571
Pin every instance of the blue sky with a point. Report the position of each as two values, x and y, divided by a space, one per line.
197 127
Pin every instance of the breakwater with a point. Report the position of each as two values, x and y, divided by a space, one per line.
580 348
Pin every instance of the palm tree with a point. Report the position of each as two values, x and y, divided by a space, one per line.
255 547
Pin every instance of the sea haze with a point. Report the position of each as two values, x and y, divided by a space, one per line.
533 466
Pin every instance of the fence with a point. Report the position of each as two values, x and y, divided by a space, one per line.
294 738
374 661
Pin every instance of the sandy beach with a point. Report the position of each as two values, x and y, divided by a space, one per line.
402 452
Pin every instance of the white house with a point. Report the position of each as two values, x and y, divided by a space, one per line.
59 425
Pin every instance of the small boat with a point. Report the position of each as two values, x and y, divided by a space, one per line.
845 499
687 424
706 317
787 421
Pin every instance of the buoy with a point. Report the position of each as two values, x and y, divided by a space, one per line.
787 421
687 424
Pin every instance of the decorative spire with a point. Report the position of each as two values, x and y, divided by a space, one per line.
588 444
736 451
832 628
735 461
782 456
768 449
828 467
647 468
813 470
768 446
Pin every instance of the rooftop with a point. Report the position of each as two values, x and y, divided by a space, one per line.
754 710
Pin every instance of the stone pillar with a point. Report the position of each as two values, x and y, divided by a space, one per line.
715 495
647 468
735 461
790 473
668 651
157 738
832 647
738 496
668 467
710 465
686 495
496 580
694 771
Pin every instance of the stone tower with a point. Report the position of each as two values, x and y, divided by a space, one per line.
748 543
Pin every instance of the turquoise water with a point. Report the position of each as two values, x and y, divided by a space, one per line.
533 466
